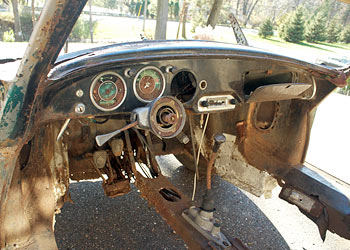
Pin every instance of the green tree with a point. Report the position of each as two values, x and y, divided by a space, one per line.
266 29
176 9
316 29
345 36
200 12
111 4
333 32
293 28
17 22
282 25
81 30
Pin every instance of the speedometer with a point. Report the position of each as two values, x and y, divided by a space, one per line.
108 91
149 84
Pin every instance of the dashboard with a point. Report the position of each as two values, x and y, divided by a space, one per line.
204 77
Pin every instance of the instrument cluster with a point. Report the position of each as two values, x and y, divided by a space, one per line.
108 90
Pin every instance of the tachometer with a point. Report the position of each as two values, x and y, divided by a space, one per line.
108 91
149 84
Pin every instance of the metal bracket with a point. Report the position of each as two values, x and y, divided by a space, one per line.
318 199
205 224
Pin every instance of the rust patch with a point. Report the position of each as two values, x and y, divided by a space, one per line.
241 130
170 210
277 149
342 80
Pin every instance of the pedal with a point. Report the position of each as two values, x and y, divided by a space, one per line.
116 188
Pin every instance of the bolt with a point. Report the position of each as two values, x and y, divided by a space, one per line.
183 138
219 139
170 118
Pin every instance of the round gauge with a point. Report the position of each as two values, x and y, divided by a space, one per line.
149 84
108 91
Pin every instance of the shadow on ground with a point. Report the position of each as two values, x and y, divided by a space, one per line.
98 222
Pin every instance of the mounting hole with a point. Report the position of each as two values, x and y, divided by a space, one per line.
183 86
265 115
203 85
170 194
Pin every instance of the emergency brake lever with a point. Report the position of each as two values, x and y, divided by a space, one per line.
102 139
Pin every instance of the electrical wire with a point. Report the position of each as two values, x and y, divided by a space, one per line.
200 144
198 155
194 158
148 152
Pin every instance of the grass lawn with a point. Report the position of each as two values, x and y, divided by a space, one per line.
122 29
304 48
320 46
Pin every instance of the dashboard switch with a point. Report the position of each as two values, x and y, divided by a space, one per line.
216 103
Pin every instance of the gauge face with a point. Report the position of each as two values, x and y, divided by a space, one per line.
108 91
149 84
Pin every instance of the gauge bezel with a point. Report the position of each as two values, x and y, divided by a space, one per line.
93 84
137 75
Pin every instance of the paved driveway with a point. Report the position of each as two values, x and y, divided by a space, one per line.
98 222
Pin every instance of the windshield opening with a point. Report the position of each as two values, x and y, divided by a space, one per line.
312 31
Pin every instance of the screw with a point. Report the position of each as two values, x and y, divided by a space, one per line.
129 72
80 108
170 69
79 93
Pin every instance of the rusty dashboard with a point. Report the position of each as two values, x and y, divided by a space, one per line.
116 79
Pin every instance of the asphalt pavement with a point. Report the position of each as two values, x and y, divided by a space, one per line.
98 222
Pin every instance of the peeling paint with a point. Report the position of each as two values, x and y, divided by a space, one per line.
15 98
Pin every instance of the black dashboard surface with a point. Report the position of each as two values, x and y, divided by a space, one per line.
190 69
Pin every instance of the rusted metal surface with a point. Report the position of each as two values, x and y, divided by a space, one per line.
38 190
304 202
343 79
116 188
3 92
318 199
210 168
113 186
52 29
218 140
271 136
170 209
280 146
8 158
17 110
277 92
